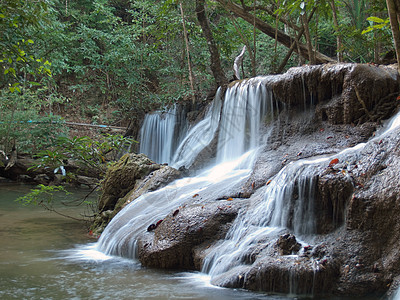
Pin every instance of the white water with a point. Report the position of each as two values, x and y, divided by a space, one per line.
287 203
119 238
397 295
200 136
157 135
245 106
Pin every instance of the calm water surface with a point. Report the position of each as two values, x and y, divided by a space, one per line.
46 256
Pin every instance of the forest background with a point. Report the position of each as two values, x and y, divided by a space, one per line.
110 62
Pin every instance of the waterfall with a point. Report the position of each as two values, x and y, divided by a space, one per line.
396 296
245 106
160 133
120 236
287 201
200 136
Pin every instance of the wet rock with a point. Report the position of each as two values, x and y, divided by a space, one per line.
42 179
334 191
100 222
85 180
234 278
155 180
394 289
287 244
287 274
344 93
173 243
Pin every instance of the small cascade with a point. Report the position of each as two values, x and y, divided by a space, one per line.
200 136
245 106
290 199
120 236
288 202
160 133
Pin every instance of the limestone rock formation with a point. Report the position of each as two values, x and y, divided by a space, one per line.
343 93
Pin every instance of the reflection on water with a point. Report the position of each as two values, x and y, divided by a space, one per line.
46 256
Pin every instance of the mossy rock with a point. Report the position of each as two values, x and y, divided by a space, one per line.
121 178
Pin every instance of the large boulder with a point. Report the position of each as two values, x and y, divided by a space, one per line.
172 244
155 180
121 178
132 176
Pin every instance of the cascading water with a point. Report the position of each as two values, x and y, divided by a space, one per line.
242 116
156 135
200 136
160 134
120 236
397 294
288 201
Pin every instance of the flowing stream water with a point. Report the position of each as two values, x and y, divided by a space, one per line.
397 294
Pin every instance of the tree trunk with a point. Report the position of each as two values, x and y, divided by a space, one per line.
191 76
282 38
246 42
394 12
253 57
216 67
294 44
311 56
338 36
291 49
238 62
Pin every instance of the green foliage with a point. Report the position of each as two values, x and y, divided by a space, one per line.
42 195
18 58
130 55
23 124
377 23
83 151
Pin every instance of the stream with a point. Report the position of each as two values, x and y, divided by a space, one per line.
46 256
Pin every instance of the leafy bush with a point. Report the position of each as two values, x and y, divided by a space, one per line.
24 126
84 151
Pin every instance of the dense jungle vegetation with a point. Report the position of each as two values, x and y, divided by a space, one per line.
109 62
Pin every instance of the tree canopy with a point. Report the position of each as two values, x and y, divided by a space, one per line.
111 61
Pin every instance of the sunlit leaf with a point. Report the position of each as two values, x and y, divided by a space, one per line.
376 20
333 162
